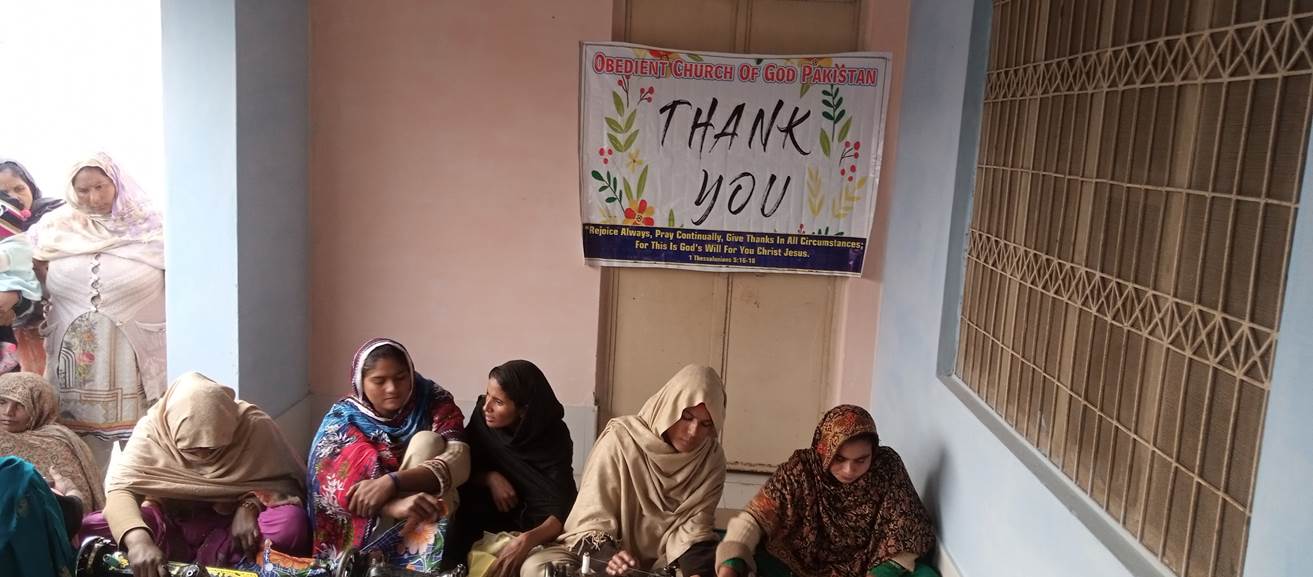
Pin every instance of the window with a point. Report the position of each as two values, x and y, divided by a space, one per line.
1135 196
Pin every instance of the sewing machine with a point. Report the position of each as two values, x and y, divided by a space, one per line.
100 557
587 566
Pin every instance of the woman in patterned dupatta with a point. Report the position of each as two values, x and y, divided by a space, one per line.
394 450
843 507
28 408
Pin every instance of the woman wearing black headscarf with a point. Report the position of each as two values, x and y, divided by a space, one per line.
522 480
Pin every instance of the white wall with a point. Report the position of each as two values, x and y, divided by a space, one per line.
235 103
200 113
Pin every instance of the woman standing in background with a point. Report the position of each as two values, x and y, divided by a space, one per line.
103 255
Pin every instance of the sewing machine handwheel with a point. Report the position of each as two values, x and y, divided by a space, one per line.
348 564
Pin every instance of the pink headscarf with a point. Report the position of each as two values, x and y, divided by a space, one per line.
132 230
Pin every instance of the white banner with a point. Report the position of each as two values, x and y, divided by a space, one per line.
729 161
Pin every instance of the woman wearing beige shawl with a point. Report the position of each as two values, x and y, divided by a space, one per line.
650 489
216 477
28 408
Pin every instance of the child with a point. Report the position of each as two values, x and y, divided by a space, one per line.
19 289
20 207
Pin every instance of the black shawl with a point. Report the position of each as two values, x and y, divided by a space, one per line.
534 454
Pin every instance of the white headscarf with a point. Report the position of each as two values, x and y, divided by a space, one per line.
132 230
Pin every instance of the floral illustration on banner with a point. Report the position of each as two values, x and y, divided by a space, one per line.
835 145
639 213
835 113
629 181
621 132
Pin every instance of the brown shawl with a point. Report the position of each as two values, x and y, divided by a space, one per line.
639 490
194 413
48 445
821 527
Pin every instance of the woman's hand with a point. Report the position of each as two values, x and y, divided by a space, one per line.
364 499
503 493
60 485
144 557
246 530
511 558
621 562
415 509
726 571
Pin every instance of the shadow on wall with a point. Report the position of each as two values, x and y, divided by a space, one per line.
930 498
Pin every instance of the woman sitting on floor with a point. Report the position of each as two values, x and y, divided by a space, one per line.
651 485
204 478
844 507
28 408
394 450
522 480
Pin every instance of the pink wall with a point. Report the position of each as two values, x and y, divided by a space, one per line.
455 125
439 117
885 30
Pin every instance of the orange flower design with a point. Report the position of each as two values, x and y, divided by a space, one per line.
418 540
639 213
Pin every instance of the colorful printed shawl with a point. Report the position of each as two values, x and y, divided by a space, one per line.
821 527
354 443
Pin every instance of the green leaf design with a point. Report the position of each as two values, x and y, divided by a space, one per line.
843 130
839 103
694 57
614 125
671 220
598 176
825 143
615 142
619 103
629 122
824 101
642 181
627 143
802 90
840 116
610 199
629 192
826 115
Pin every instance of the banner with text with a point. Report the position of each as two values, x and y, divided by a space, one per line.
730 162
